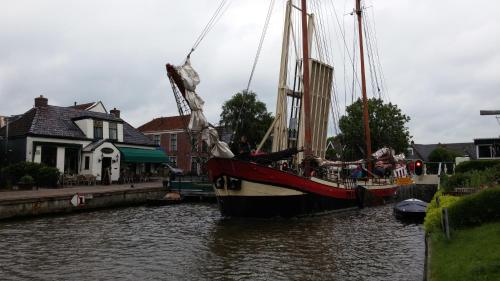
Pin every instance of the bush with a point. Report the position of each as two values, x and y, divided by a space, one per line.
41 174
476 209
26 179
48 177
473 178
478 165
432 221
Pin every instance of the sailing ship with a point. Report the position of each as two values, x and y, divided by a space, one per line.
288 181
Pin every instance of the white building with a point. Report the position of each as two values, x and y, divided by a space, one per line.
80 139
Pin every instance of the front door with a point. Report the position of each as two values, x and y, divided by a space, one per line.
106 170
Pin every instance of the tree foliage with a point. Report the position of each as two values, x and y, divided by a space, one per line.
388 126
245 115
441 154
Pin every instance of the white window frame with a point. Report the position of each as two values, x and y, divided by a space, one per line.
173 142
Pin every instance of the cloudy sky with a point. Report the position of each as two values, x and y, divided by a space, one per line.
440 59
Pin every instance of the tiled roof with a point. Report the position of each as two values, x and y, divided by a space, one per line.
422 151
83 106
165 124
132 136
56 121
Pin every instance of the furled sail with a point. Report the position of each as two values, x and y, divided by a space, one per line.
198 121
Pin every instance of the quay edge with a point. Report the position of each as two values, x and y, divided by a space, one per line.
29 206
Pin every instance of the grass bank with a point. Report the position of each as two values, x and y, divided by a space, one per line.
471 254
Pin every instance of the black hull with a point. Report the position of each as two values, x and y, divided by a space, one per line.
280 206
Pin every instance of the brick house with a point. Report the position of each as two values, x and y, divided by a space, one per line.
185 152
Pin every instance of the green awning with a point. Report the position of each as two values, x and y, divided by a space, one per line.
139 155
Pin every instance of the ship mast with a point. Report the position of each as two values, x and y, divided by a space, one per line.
363 88
306 98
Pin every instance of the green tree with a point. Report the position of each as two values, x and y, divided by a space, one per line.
388 126
441 154
334 148
246 116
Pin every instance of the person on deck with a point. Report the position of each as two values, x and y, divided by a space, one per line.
244 146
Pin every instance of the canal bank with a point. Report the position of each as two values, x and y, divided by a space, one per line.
17 204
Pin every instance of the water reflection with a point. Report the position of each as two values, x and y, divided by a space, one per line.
192 242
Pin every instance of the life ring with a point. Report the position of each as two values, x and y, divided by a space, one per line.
219 182
284 166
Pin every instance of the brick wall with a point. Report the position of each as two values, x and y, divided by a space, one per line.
184 151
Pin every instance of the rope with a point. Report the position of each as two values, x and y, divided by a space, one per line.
211 23
254 66
261 41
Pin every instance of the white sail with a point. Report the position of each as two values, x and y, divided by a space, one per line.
198 121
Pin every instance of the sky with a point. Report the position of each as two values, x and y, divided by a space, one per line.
440 59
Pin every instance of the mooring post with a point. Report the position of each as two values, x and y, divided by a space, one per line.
445 222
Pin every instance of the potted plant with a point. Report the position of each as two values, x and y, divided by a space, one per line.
26 182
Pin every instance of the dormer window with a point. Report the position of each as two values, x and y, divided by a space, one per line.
113 132
97 129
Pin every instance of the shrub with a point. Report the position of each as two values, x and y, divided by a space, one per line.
476 209
26 179
478 165
432 221
48 177
473 178
41 174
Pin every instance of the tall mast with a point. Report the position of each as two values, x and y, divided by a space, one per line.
363 88
306 98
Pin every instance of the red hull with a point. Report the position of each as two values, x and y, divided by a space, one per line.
218 167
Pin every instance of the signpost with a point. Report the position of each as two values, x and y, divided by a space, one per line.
78 200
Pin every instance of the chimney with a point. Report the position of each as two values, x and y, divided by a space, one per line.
115 112
41 101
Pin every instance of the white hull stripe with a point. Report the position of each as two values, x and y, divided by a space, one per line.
249 188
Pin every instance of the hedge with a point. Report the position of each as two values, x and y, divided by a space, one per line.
478 165
476 209
44 176
432 221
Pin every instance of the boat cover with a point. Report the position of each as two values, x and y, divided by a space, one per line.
198 121
268 158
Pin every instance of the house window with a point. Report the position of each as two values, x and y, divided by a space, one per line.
156 139
194 146
113 132
97 130
194 166
173 142
49 155
410 151
173 161
71 159
87 162
484 151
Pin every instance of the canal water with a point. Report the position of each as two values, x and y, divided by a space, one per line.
193 242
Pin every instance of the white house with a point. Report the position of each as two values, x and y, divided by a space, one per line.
80 139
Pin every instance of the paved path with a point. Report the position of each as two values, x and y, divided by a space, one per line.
67 191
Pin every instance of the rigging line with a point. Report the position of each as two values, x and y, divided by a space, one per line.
345 45
317 34
209 26
383 80
262 37
322 32
373 75
378 79
327 39
354 59
239 120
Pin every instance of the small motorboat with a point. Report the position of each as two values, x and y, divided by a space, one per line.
411 210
